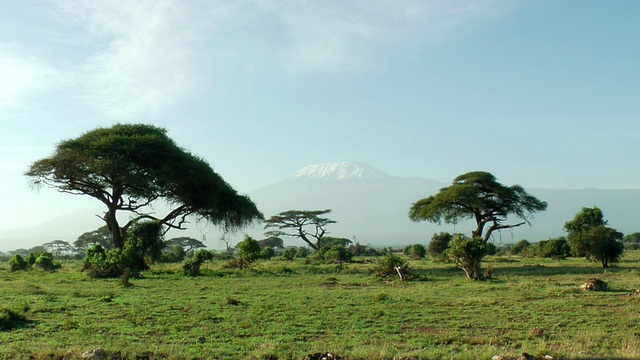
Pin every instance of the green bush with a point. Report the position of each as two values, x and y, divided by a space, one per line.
18 263
45 262
418 251
337 253
552 248
101 263
438 245
386 266
248 249
267 253
288 254
467 254
521 248
192 266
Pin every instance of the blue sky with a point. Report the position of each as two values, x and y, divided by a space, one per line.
540 93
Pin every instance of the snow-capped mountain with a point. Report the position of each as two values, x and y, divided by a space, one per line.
339 171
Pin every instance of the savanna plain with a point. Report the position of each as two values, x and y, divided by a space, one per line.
289 309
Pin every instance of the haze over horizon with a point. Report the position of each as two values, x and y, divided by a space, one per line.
535 92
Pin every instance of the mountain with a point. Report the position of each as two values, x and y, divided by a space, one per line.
368 205
372 206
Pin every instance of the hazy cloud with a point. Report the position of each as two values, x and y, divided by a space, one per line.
22 74
146 55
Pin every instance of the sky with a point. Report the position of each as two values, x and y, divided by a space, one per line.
541 93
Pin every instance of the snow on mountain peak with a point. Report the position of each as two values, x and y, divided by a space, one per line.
339 171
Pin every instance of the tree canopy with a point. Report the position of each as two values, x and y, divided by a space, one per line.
589 236
128 167
479 196
308 225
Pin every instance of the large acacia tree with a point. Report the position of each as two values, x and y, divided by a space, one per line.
128 167
479 196
308 225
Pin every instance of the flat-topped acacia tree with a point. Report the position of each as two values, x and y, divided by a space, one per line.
128 167
479 196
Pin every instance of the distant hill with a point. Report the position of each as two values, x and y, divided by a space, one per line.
369 205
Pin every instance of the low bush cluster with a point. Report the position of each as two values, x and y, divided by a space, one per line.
43 260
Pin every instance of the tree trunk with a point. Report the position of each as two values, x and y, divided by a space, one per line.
114 228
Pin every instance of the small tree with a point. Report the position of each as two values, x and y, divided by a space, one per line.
188 244
585 220
631 241
479 196
439 244
248 250
605 244
520 248
101 236
418 251
467 253
306 225
58 247
267 253
192 266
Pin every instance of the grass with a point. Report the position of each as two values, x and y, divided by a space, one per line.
287 310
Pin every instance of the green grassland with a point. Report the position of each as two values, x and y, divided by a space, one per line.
286 310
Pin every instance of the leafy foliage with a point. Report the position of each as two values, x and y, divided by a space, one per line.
477 195
467 253
18 263
192 266
101 236
129 166
248 249
337 253
438 245
386 266
187 244
552 248
585 220
304 224
589 236
520 248
112 263
46 262
631 241
418 251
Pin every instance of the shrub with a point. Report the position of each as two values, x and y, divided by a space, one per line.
101 263
467 254
438 245
288 254
337 253
192 266
302 252
248 249
45 262
557 248
520 248
267 253
18 263
386 266
418 251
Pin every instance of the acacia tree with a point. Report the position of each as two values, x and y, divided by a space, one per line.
188 244
479 196
128 167
585 220
589 236
100 236
308 225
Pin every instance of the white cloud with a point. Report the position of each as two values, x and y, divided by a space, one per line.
147 55
22 75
